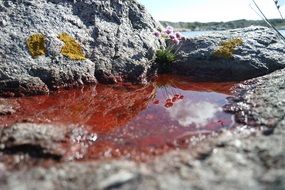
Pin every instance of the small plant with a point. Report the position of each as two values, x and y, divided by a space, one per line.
166 56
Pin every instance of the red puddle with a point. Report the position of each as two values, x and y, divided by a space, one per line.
134 121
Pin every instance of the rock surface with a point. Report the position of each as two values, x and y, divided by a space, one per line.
40 41
6 108
260 101
246 158
45 140
260 53
115 37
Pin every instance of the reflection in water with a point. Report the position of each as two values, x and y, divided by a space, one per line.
194 113
103 108
132 121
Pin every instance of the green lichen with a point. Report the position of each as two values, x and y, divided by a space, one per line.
36 45
71 48
227 48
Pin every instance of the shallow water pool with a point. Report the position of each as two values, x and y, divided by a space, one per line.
134 121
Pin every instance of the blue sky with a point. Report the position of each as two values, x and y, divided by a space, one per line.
208 10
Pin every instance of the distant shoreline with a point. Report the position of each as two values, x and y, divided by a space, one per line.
216 26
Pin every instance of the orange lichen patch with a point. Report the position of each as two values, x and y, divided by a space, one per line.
227 48
36 45
72 48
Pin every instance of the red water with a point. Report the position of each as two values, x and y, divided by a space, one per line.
134 121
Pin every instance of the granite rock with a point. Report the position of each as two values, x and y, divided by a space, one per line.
260 51
115 38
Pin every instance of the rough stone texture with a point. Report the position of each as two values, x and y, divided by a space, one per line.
116 38
6 108
262 52
25 86
260 101
246 158
43 140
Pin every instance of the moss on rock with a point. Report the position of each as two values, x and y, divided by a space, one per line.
227 48
36 45
72 48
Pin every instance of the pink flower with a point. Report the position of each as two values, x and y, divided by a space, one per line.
169 30
171 36
178 35
176 41
157 34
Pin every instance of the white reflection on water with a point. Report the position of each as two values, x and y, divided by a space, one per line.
197 113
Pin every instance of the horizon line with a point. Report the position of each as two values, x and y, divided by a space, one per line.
219 21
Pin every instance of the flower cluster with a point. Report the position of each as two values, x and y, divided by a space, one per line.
171 100
169 33
166 56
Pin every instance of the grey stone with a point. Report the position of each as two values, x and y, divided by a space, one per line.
84 175
253 164
260 102
116 37
27 85
116 179
3 23
262 52
243 158
45 140
6 108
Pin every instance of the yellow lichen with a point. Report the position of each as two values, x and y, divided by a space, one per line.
227 48
71 48
36 45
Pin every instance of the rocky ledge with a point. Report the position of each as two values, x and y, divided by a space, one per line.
232 55
246 158
70 43
51 44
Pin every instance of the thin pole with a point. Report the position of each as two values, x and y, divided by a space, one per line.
268 22
278 8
